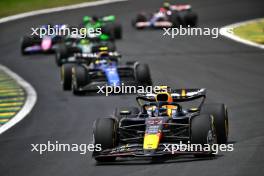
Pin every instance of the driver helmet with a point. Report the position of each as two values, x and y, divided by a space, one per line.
103 58
151 110
163 111
84 42
103 54
166 5
155 112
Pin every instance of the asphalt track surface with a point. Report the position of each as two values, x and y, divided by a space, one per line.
232 73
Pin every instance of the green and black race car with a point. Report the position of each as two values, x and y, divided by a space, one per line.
110 29
72 45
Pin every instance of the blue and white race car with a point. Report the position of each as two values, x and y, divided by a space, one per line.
91 71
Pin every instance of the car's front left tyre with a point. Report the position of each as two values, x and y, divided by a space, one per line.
66 76
61 53
220 115
105 134
79 79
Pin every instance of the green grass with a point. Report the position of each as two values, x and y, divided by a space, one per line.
11 7
252 31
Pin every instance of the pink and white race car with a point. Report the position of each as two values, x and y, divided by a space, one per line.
44 44
167 16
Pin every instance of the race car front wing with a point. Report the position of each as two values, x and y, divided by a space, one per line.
136 150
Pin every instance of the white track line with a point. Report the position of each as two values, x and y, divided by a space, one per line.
57 9
226 32
31 98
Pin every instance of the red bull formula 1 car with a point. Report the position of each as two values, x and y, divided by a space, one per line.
162 120
167 16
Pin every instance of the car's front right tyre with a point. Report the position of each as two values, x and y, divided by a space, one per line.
220 115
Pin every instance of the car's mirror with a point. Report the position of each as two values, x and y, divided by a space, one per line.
193 109
125 112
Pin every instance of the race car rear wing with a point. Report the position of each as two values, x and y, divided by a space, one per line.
91 57
177 95
180 7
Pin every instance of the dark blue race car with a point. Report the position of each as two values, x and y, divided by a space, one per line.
102 69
